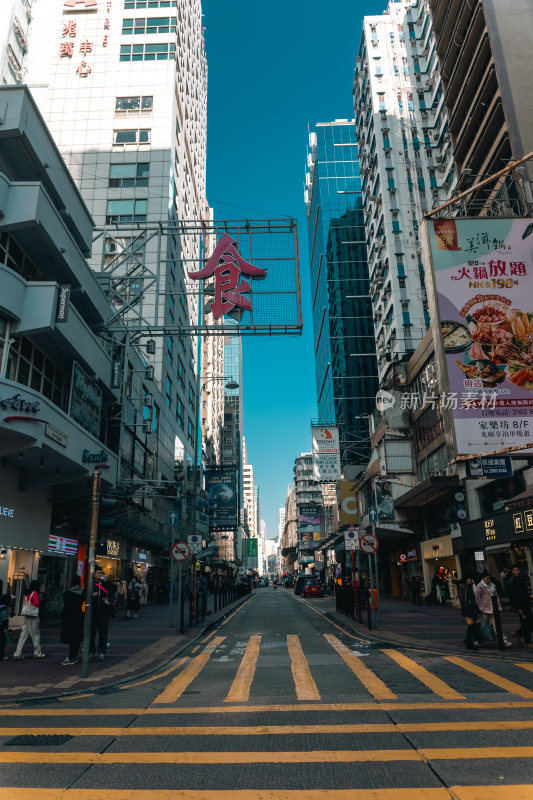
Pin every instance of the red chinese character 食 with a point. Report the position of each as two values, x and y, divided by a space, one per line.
106 25
86 47
66 49
69 28
227 264
104 42
83 69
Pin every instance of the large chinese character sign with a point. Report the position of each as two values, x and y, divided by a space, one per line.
228 267
483 271
326 453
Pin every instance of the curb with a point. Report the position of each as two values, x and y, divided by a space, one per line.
102 688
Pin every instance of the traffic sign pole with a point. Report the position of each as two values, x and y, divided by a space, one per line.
171 598
376 573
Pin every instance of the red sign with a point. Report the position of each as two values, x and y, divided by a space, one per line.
227 265
180 551
410 555
368 543
84 3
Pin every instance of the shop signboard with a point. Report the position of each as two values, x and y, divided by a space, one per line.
221 485
85 401
251 548
111 548
409 555
509 526
489 467
306 559
60 544
348 511
483 272
326 453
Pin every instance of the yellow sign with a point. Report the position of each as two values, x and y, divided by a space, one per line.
348 511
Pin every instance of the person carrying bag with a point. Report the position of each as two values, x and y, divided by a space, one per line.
30 623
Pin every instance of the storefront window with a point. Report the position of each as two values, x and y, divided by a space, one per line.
492 497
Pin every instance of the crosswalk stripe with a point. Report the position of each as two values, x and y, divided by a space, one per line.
491 677
305 687
370 681
174 667
525 666
276 757
240 688
273 730
436 685
438 793
177 686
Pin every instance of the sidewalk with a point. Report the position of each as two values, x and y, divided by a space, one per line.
430 627
136 647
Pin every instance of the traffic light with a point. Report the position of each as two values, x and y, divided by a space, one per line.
107 504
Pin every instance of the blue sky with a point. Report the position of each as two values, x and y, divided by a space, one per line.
274 69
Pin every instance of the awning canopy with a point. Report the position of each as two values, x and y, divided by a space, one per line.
427 491
521 500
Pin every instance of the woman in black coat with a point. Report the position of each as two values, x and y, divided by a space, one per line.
72 620
469 610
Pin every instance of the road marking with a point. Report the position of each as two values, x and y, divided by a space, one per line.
17 793
154 677
525 666
370 681
278 757
242 683
491 677
273 730
195 649
334 624
304 685
177 686
436 685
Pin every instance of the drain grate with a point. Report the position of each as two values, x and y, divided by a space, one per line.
28 740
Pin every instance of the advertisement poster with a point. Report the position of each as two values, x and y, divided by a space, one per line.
326 453
310 527
484 278
348 511
384 502
221 488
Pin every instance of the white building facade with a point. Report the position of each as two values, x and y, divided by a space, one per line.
15 20
406 167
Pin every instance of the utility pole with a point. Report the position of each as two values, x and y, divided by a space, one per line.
93 533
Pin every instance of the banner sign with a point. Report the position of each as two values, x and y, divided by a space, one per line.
221 488
85 401
63 302
489 467
348 511
326 453
251 548
483 271
60 544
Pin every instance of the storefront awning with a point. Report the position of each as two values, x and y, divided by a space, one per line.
427 491
521 500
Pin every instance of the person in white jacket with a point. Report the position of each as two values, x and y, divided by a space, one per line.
485 591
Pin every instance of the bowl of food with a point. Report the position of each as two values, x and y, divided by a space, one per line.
486 371
520 374
456 337
491 311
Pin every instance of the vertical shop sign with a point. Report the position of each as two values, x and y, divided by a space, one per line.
326 453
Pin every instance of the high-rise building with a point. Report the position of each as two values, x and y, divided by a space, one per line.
249 499
15 20
345 355
485 53
406 168
281 523
125 97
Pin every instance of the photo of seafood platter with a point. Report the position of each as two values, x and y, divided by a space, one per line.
497 343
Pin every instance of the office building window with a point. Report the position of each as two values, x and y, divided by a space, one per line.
169 350
122 176
192 397
179 412
149 4
150 25
190 433
141 136
125 211
28 365
147 52
181 373
136 104
168 392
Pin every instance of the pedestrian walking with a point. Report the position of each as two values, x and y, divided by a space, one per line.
415 587
103 595
4 625
30 622
72 620
518 593
133 600
485 591
469 611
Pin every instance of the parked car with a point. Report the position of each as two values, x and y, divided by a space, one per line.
300 583
288 584
313 588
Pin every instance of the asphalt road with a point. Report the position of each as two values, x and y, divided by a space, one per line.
280 702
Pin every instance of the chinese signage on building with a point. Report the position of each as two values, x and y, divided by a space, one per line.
251 548
484 280
85 401
227 266
60 544
506 527
489 467
326 453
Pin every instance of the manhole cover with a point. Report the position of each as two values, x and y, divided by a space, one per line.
27 740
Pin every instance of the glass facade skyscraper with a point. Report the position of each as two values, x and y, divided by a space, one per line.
345 354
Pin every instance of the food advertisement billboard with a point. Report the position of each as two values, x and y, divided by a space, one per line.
483 272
